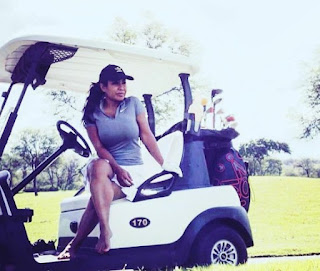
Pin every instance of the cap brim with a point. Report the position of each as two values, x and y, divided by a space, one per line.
117 77
129 77
122 76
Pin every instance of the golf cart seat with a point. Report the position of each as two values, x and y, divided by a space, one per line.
159 182
8 207
5 208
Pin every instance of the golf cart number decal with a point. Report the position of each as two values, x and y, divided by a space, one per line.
139 222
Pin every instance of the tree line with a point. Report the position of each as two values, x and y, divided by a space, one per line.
33 147
65 173
258 155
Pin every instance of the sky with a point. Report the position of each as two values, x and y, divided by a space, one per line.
258 52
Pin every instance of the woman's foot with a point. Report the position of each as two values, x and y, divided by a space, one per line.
103 244
69 252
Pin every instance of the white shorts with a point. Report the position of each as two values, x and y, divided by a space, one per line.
137 173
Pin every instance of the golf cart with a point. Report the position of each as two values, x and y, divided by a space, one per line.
195 219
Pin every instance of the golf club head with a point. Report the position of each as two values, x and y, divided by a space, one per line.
220 111
217 101
214 92
210 110
233 124
204 101
230 118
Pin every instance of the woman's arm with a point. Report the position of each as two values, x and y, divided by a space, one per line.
148 138
123 176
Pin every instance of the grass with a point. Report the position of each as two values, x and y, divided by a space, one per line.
284 215
46 208
290 265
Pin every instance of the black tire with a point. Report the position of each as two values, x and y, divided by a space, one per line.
219 245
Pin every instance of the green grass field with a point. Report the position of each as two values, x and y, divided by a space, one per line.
290 265
284 215
46 208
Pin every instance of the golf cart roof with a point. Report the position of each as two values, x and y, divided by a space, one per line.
154 71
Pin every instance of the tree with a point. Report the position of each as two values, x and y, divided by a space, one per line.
70 175
54 174
272 167
33 148
301 167
307 166
152 34
64 174
311 121
257 150
155 35
61 98
122 32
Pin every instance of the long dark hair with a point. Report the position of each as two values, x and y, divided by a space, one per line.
93 99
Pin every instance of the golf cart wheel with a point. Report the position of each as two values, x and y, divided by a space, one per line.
219 245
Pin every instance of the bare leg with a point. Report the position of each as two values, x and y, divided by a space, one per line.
103 191
87 223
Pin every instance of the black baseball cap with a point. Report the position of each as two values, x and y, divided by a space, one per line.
113 73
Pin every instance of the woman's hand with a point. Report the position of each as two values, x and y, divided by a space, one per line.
123 177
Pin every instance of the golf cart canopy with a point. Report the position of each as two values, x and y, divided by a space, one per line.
73 64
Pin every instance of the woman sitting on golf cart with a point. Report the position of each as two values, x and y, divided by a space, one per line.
114 124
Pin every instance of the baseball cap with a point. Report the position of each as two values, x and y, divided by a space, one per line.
113 73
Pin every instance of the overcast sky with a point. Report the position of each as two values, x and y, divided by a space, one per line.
256 51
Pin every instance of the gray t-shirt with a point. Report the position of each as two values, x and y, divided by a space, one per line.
120 135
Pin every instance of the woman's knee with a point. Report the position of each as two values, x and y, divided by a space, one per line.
99 168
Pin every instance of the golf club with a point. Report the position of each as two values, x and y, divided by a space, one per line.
214 103
204 102
214 92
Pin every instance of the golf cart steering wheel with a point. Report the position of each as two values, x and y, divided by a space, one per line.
70 139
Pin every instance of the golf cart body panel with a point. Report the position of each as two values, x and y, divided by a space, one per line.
175 253
169 214
159 213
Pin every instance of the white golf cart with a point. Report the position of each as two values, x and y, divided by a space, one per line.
199 218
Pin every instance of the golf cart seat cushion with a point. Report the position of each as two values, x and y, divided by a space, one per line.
171 148
151 178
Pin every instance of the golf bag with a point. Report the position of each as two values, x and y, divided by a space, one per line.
210 160
225 165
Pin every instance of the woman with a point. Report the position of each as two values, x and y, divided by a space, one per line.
114 124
